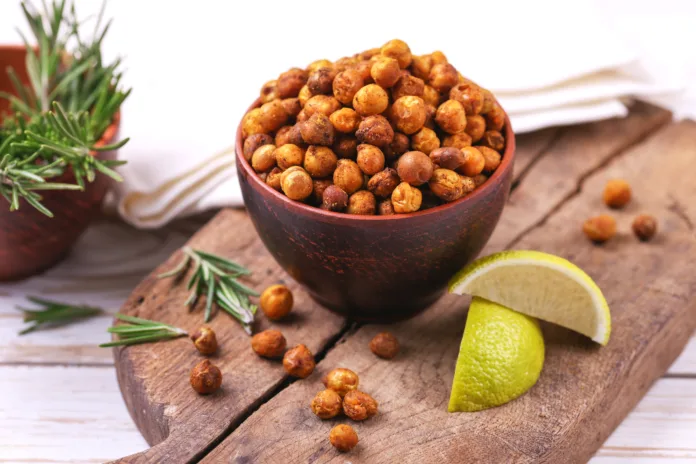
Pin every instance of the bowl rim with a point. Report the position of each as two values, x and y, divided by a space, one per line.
331 216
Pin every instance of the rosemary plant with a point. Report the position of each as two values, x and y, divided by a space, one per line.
54 314
57 119
216 278
140 330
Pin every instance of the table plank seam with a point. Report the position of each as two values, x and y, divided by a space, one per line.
545 150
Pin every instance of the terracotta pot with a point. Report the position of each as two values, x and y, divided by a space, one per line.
31 242
375 268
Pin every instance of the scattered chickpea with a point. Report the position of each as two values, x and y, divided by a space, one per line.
205 377
205 341
290 82
383 183
253 142
475 127
617 193
276 301
370 159
270 343
414 167
408 114
318 130
346 85
493 139
446 185
289 155
385 208
375 130
296 184
371 99
320 161
385 72
385 345
327 404
406 198
470 96
425 140
320 81
398 50
299 362
448 158
343 437
359 405
348 176
263 158
443 77
644 226
362 202
346 147
334 199
474 162
600 228
451 117
345 120
341 380
322 104
491 158
408 85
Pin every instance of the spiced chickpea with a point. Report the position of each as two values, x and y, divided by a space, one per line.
341 380
425 140
304 95
294 135
460 140
475 127
263 175
495 118
370 159
327 404
385 72
344 63
205 377
253 142
318 130
345 120
263 158
448 158
290 82
343 438
600 228
408 85
292 106
491 158
289 155
468 184
370 100
334 199
414 167
205 341
359 405
273 178
399 50
385 208
443 77
479 180
430 112
346 85
383 183
431 96
385 345
470 96
451 117
474 162
323 104
251 123
363 203
318 188
268 91
320 81
345 146
296 184
438 57
421 65
302 116
348 176
493 139
488 101
282 136
319 161
299 362
367 54
375 130
364 68
398 146
316 65
617 193
644 226
446 184
269 344
406 199
408 114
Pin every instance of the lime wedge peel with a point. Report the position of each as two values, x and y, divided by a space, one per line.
540 285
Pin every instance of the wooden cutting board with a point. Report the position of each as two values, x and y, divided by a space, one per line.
584 390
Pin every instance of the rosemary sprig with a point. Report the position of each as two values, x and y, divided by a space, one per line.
54 313
140 330
216 278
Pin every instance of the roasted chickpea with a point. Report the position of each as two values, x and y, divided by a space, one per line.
359 405
430 112
318 130
406 199
345 146
276 302
263 158
408 114
438 57
269 344
479 180
375 130
397 49
408 85
385 72
299 362
385 208
431 96
348 176
273 115
320 161
302 116
425 140
398 146
367 54
318 187
468 184
470 96
448 158
253 142
383 183
363 203
323 104
385 345
488 101
460 140
443 77
446 184
273 178
345 120
475 127
645 227
493 139
491 158
205 377
296 184
474 162
292 106
263 175
364 68
371 99
282 136
289 155
316 65
600 228
294 135
304 95
290 82
344 63
334 199
346 84
327 404
320 81
495 118
414 167
205 341
268 91
451 117
252 123
343 437
421 65
370 159
341 380
617 193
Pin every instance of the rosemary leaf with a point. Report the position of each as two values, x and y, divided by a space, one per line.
141 330
54 313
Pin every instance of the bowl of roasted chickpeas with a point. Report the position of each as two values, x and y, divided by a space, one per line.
372 179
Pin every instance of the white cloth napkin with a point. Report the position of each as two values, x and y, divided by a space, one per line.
196 67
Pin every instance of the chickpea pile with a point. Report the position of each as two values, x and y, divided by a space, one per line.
375 133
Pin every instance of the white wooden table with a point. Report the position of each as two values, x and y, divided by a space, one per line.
60 402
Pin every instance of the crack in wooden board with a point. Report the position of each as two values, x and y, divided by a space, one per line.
585 391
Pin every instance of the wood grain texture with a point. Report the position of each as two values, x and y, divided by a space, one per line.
584 391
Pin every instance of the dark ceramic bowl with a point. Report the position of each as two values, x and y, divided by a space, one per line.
375 268
31 242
